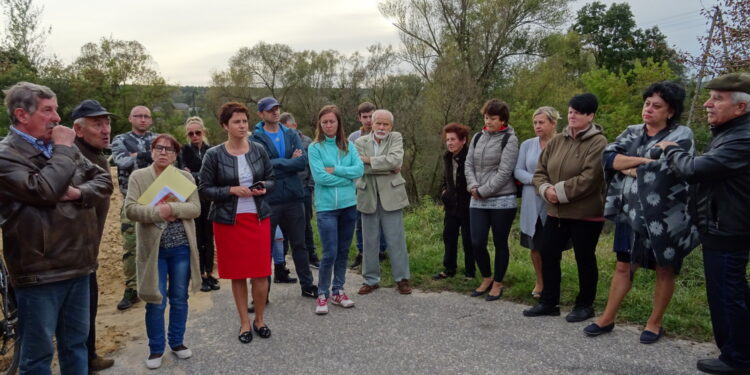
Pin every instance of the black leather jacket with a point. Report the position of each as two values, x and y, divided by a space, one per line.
220 171
454 195
46 240
722 175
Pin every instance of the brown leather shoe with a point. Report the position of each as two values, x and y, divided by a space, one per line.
99 363
403 286
367 289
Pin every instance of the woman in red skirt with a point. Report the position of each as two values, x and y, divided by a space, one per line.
234 177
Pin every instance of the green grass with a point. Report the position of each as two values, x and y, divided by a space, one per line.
687 316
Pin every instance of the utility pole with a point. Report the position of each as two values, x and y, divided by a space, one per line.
702 72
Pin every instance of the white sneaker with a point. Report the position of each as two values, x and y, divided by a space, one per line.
154 363
342 300
321 307
183 353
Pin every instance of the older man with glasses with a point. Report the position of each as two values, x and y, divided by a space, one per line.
721 176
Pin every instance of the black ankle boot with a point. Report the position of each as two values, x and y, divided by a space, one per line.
281 274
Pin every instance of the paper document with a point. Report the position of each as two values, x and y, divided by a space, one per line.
170 186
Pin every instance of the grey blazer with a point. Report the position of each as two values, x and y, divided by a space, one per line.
379 181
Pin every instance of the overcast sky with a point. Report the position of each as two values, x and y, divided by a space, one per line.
189 39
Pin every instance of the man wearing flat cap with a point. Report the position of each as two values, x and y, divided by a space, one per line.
722 179
91 123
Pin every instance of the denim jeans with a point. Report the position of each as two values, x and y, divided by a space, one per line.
174 275
335 228
60 309
277 247
729 303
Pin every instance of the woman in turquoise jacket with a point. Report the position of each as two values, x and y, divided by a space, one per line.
334 164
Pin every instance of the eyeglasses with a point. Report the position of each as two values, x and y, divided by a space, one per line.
142 116
167 149
196 133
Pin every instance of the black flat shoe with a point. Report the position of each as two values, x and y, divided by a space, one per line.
264 332
579 314
205 285
648 337
477 293
442 275
542 310
717 366
490 297
593 329
214 283
246 337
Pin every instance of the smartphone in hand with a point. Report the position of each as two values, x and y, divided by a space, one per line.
257 186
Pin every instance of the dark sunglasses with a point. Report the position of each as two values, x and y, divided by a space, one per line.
197 132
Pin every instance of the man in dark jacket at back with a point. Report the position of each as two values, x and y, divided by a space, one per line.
48 198
91 123
287 199
722 178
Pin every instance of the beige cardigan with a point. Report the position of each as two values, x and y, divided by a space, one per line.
148 234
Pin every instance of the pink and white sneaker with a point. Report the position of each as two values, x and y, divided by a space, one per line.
321 305
342 300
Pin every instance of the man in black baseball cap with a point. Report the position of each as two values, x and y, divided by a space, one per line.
721 176
91 123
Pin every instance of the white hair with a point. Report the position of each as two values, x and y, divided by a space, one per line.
741 97
80 121
383 112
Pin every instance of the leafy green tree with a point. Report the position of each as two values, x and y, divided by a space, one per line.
612 36
550 81
120 74
24 32
482 35
620 94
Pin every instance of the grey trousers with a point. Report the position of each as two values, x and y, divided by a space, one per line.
392 223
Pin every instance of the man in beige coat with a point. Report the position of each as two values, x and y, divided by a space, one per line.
381 196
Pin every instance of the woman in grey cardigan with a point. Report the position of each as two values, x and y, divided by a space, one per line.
533 209
166 253
489 178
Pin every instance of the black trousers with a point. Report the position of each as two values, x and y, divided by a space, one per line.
584 235
729 303
290 217
204 234
93 305
451 227
500 220
309 240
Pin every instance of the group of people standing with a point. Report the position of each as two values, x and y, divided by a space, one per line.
663 199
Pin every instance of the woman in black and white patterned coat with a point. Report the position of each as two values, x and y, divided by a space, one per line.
649 207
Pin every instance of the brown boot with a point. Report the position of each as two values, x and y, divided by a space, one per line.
403 286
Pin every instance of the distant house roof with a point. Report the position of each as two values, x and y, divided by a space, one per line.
181 106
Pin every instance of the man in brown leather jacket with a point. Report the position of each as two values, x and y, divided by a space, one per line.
48 194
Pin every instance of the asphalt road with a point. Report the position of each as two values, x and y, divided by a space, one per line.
424 333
